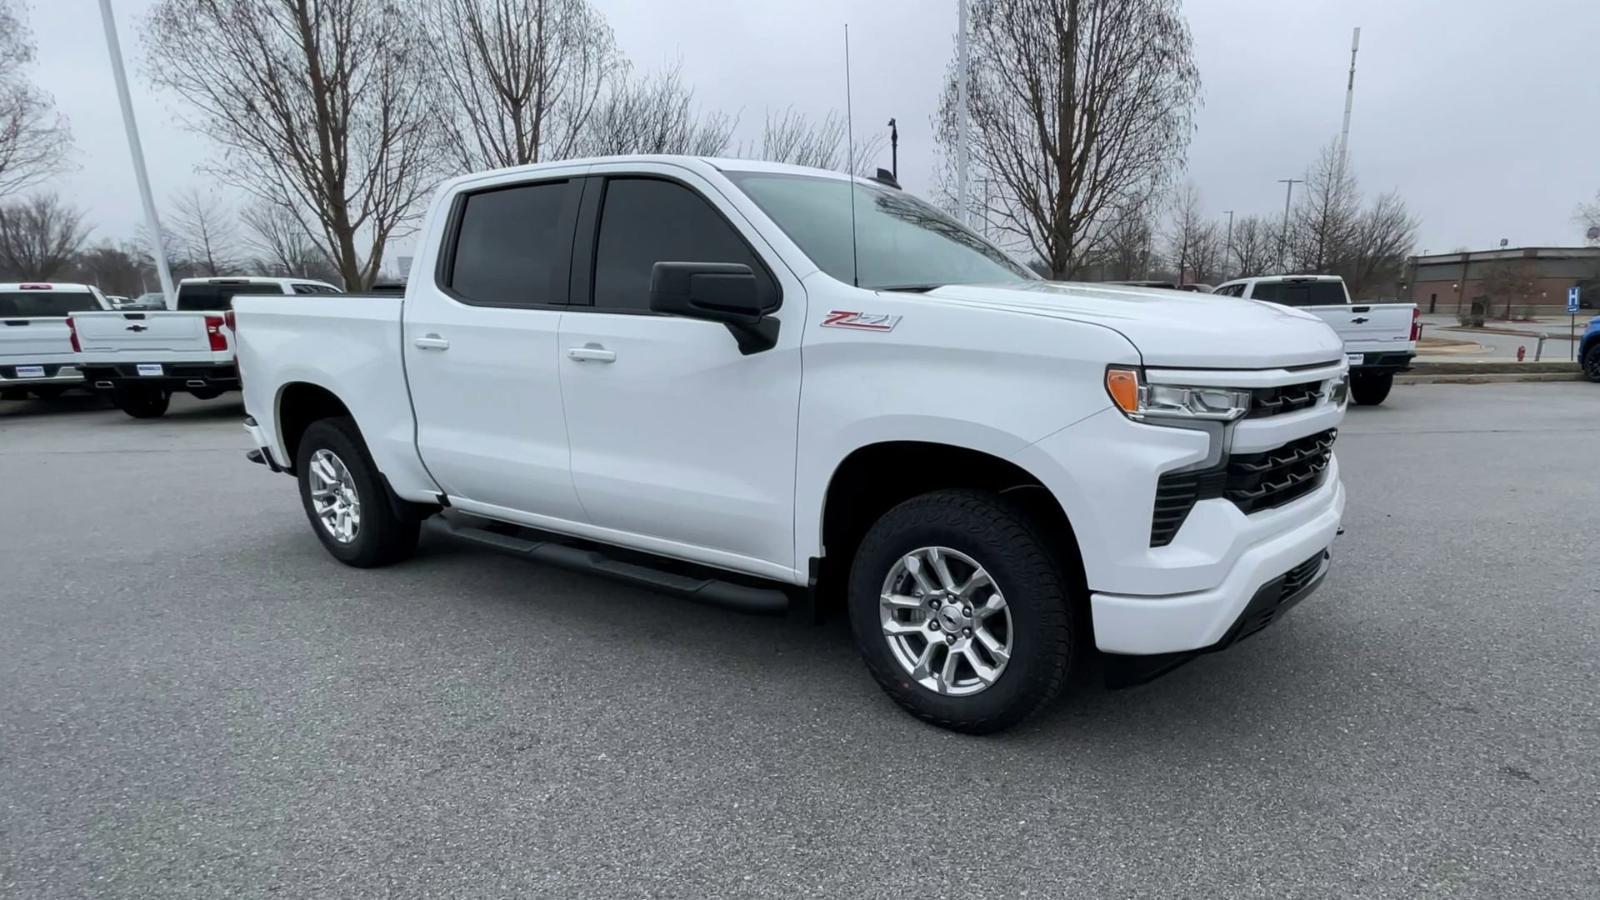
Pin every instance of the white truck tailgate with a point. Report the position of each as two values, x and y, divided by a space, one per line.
34 341
1369 326
132 336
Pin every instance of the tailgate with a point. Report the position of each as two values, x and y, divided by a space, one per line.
143 335
1370 326
34 341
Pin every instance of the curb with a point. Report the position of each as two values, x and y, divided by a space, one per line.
1488 378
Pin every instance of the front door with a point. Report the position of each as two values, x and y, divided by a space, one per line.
680 444
481 349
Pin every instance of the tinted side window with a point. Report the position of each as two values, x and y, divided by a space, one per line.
509 246
210 296
644 221
43 304
1269 291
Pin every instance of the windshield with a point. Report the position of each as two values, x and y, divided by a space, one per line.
30 304
1301 293
901 242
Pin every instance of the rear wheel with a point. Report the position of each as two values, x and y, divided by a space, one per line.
142 401
206 393
1370 390
13 395
1591 362
960 610
345 499
49 393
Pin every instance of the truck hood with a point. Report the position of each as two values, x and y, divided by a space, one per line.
1169 328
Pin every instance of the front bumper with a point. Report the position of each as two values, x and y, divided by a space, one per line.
1201 620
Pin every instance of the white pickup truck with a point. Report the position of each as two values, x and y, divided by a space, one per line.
36 351
141 357
685 373
1380 339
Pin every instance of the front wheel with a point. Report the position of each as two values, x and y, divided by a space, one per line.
960 610
143 401
346 500
1591 362
1370 390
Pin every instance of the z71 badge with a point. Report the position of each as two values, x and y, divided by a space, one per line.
862 321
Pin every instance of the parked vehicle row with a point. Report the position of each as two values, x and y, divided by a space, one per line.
752 383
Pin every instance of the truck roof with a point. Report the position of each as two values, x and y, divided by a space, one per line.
249 279
721 164
46 286
1260 278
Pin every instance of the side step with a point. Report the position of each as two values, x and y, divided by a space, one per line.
711 591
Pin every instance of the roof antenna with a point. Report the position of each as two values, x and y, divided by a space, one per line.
850 155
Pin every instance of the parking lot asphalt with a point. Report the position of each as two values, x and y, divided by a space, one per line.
196 701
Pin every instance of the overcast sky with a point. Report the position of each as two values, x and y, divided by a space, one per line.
1485 114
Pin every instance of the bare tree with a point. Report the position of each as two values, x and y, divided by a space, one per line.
114 269
205 231
281 245
1376 254
323 107
1125 254
654 114
39 237
1512 283
34 140
1193 247
1079 108
1254 246
792 137
522 77
1588 218
1325 220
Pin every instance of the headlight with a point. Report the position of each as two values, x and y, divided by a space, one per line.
1338 389
1140 401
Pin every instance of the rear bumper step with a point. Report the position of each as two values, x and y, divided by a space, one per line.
707 590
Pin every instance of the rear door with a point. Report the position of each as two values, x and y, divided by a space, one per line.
480 347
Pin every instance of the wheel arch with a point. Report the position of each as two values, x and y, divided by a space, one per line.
298 404
875 477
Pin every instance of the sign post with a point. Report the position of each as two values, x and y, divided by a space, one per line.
1572 321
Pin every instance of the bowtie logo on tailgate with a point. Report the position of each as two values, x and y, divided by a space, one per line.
861 321
138 327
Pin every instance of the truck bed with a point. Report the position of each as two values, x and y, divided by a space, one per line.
356 345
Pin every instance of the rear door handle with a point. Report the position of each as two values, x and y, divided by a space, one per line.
431 342
591 353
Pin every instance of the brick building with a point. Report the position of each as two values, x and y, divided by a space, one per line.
1448 282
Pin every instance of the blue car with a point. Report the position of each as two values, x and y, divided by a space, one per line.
1589 350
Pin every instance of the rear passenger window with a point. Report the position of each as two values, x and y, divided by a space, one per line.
508 246
645 221
1269 291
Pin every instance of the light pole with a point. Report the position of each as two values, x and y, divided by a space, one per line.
962 212
1283 238
152 221
1227 246
894 151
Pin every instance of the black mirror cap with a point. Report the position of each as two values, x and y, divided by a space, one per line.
721 292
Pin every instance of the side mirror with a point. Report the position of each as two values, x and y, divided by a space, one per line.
718 292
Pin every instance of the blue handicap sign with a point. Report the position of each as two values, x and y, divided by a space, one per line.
1572 299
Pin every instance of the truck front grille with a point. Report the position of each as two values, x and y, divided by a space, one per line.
1275 401
1251 481
1258 481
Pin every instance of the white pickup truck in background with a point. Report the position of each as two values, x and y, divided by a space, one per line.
1380 339
36 351
141 357
684 373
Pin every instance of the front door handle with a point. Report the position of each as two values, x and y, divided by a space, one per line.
591 353
431 342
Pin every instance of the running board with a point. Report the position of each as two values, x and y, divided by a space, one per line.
710 591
